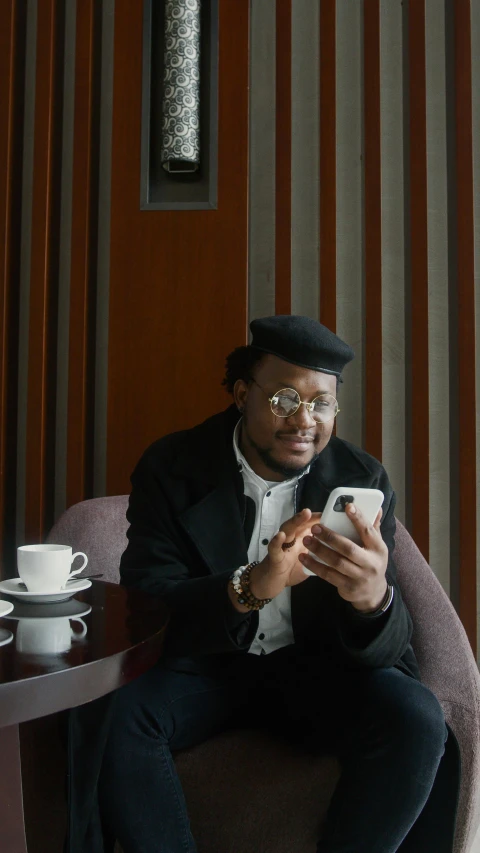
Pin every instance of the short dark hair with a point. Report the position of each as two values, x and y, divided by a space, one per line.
240 364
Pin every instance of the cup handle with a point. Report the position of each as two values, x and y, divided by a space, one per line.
77 571
81 633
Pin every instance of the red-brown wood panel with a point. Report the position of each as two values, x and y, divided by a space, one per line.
373 231
283 159
418 335
178 279
81 257
328 203
8 24
41 290
466 321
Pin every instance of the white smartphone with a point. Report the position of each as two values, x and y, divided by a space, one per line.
335 518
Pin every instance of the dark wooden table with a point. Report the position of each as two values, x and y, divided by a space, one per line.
124 636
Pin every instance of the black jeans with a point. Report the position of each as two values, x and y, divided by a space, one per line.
387 729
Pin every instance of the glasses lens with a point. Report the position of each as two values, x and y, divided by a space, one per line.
325 408
285 402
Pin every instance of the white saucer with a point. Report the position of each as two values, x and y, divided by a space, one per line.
16 587
5 607
62 610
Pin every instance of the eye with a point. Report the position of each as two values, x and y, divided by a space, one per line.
287 402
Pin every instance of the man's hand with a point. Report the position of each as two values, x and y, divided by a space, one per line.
281 568
357 572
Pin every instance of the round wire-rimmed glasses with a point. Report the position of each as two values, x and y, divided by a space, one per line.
286 403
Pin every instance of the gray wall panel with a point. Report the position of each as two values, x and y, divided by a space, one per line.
393 248
305 157
26 242
262 160
64 260
103 250
438 332
349 193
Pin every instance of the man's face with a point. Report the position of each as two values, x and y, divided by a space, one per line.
278 448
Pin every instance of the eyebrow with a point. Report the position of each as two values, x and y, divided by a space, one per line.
292 387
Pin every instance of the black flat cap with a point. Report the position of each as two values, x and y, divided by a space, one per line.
302 341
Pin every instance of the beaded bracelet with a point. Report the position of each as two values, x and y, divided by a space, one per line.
240 581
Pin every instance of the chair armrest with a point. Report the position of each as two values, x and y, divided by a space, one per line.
444 655
448 668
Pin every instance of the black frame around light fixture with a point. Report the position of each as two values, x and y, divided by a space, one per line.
160 190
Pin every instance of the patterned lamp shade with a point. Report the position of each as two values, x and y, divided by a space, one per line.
181 87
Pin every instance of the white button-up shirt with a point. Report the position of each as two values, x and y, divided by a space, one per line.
274 504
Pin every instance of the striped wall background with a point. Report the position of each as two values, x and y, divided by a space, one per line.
364 211
364 168
56 69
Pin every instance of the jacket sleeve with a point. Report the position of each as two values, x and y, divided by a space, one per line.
203 620
377 641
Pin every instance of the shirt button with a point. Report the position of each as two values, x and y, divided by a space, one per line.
264 541
268 494
261 636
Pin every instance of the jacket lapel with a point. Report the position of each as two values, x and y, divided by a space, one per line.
215 527
215 524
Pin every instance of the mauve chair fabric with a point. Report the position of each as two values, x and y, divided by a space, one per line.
292 790
99 528
448 668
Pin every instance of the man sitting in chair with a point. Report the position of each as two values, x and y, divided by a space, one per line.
223 520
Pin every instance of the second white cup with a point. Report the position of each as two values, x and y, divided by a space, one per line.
47 568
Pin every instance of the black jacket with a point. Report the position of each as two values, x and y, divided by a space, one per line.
190 526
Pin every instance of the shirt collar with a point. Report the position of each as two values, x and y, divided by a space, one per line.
245 468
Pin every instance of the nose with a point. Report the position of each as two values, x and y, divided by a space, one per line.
302 418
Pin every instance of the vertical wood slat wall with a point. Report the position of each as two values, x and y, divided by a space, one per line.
28 500
402 342
79 472
357 300
41 292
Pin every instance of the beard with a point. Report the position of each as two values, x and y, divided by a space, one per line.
286 471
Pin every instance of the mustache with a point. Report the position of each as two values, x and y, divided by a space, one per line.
297 434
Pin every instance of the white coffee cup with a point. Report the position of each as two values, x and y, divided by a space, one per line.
47 636
47 568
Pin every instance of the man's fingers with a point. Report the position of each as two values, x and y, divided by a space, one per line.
278 540
343 555
345 552
301 519
275 553
369 533
293 530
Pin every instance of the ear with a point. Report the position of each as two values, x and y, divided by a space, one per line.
240 394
